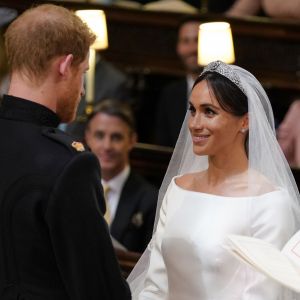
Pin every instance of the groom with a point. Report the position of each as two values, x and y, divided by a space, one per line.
54 242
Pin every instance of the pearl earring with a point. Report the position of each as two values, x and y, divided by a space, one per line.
243 130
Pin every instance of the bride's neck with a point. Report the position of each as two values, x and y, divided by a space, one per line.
222 167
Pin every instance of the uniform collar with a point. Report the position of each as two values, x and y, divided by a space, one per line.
15 108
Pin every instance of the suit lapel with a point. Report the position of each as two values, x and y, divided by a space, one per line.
126 207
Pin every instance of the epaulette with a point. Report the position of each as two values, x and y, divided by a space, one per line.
65 139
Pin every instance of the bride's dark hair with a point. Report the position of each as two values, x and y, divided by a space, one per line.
229 96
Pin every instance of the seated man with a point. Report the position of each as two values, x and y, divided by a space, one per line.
131 201
173 102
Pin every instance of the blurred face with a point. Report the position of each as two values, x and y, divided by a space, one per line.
187 46
111 140
73 91
213 130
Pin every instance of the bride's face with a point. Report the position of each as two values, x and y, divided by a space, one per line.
213 130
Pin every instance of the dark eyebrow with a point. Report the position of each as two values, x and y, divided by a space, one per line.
210 106
206 105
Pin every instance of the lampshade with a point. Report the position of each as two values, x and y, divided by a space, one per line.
96 21
215 43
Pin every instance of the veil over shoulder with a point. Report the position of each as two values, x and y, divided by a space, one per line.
266 161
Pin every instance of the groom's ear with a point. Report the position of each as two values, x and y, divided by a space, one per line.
65 64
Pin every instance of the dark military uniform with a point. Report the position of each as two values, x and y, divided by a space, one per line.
54 243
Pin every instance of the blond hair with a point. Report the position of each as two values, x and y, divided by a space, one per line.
43 33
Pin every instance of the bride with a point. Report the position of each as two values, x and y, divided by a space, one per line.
227 175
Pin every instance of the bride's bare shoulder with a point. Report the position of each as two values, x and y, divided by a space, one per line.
187 181
260 184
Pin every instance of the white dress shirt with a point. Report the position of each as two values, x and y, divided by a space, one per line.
115 189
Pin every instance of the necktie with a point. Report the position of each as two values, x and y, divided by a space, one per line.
106 190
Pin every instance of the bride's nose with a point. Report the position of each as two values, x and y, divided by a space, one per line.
196 121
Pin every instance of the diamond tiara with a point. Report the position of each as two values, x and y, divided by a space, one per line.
226 71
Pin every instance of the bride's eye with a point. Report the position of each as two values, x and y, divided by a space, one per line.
209 112
192 109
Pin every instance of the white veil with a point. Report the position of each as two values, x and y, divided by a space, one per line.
265 155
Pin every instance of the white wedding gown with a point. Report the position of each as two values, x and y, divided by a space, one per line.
188 259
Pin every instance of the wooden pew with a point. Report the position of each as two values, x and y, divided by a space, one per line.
151 161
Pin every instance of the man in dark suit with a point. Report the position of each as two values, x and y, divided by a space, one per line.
54 242
131 201
173 102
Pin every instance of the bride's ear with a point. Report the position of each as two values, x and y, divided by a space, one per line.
245 123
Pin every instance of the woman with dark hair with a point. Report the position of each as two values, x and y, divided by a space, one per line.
227 176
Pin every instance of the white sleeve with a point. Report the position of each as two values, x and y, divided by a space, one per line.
156 282
273 222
